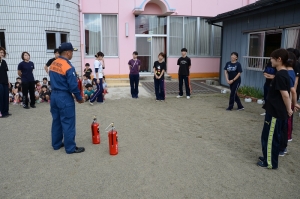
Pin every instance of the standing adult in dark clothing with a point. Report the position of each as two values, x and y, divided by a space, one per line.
4 85
62 105
134 76
159 77
184 63
25 71
233 70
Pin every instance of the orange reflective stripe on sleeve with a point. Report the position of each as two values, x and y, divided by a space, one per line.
60 66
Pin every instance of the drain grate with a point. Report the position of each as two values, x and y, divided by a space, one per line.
198 86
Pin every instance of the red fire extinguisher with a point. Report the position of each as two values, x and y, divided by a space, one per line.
80 86
112 140
95 131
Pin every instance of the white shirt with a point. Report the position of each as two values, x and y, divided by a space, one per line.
97 64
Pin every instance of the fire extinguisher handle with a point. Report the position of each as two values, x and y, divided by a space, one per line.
112 124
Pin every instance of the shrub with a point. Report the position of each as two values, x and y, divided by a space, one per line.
251 91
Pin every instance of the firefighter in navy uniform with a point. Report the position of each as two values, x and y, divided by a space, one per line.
63 85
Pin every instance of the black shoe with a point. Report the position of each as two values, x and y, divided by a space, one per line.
32 106
228 109
79 150
26 107
261 164
4 116
261 158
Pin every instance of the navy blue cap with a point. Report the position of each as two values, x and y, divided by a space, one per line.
66 47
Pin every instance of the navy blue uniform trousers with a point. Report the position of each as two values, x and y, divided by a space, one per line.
98 94
134 84
4 99
270 140
63 123
233 95
187 84
159 85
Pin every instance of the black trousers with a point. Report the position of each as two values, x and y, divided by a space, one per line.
284 136
159 85
4 99
28 87
270 140
187 84
233 95
134 85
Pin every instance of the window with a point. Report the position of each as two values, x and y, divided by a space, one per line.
292 39
2 40
262 44
150 24
190 34
217 40
176 35
101 34
63 38
110 35
54 39
260 47
256 44
196 35
205 38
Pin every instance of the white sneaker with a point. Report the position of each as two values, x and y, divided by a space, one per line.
188 97
91 104
263 114
179 96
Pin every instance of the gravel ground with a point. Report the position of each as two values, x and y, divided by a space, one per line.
174 149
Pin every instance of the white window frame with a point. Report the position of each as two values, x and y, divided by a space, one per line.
197 39
101 39
57 39
264 34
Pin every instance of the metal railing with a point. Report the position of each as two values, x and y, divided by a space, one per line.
255 63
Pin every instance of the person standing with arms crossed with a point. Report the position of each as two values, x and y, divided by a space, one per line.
233 70
4 85
184 64
134 76
63 85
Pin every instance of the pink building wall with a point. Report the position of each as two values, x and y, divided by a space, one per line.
117 66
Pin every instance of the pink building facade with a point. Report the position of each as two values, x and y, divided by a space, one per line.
119 27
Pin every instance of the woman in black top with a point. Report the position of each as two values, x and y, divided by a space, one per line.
4 85
233 70
25 71
159 79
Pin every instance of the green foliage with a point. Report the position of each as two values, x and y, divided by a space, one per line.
251 91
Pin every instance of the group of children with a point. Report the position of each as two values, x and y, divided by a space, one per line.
95 87
42 91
